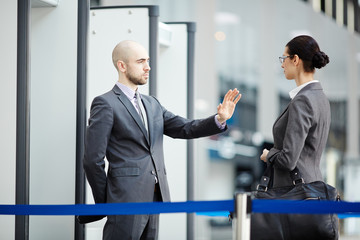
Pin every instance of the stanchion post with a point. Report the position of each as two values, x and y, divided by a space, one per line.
241 222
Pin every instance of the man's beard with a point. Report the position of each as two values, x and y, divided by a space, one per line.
135 79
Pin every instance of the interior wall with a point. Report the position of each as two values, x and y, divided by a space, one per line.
53 50
8 46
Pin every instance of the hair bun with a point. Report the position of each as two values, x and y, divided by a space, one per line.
320 59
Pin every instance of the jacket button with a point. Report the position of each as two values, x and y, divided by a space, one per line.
153 172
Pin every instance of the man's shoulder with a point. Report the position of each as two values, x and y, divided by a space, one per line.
105 98
110 93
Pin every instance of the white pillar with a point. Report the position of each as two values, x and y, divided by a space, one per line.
268 98
8 46
206 100
353 99
352 166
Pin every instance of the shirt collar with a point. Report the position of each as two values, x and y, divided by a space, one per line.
130 94
296 90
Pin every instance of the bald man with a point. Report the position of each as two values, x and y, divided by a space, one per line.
127 128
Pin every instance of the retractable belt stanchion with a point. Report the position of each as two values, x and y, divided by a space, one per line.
241 222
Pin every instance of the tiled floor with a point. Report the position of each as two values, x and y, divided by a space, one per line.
225 233
349 237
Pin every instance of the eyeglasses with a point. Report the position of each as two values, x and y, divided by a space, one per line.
282 59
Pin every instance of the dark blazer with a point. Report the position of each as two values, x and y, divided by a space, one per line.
300 135
115 130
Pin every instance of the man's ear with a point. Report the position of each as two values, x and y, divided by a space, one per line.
121 66
296 60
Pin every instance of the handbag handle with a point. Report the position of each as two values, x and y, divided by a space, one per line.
263 186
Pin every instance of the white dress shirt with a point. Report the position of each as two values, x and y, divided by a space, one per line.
296 90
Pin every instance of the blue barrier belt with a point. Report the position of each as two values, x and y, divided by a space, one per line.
344 209
119 208
304 207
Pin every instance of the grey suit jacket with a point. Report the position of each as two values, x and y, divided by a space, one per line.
115 130
300 135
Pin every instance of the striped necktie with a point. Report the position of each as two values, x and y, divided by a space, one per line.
142 112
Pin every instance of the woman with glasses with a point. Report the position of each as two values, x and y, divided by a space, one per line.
300 133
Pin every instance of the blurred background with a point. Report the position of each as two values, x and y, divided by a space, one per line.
237 45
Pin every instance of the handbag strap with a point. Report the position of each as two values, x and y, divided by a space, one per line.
265 179
296 176
263 186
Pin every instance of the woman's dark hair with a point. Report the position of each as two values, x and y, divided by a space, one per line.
308 51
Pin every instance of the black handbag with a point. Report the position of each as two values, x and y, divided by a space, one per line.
294 226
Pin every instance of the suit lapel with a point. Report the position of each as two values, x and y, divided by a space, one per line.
285 110
131 109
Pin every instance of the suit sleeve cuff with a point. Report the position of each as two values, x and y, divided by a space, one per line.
220 125
271 155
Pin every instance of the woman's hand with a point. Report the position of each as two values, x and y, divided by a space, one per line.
264 155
